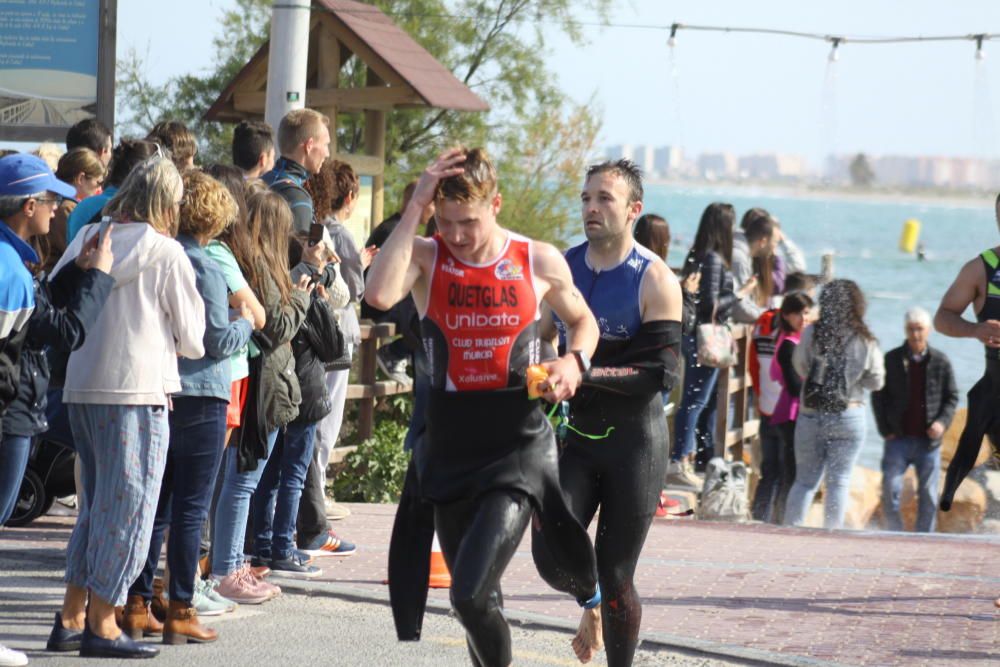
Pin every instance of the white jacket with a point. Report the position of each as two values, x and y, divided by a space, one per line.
153 315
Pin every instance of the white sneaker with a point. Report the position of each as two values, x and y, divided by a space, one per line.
680 475
11 658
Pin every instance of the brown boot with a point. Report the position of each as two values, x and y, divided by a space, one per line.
158 605
182 626
137 620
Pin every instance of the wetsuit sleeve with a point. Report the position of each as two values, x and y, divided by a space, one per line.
648 365
793 383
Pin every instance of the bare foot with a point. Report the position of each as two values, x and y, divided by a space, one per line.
589 638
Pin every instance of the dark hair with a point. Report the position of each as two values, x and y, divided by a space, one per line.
629 171
88 133
792 304
126 155
251 139
842 309
237 235
715 232
331 186
652 232
752 214
177 138
758 227
799 282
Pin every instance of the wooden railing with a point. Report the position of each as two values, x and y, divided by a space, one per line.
368 388
734 437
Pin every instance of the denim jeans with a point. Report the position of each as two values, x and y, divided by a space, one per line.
825 443
197 436
695 419
765 497
230 522
123 453
276 501
899 454
14 450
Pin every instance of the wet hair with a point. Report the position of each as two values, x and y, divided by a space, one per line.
477 182
715 232
149 194
237 235
124 158
793 304
297 127
177 138
251 139
208 208
799 282
626 169
270 223
842 307
330 187
652 231
80 161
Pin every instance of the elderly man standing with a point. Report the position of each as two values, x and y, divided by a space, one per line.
913 411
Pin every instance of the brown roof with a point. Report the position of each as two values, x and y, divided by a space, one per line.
412 63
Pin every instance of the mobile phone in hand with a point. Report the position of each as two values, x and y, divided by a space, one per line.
315 233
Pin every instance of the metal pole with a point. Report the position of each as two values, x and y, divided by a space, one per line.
287 58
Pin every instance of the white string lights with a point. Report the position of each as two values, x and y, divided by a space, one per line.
835 41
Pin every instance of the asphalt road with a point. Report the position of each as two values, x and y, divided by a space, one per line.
296 629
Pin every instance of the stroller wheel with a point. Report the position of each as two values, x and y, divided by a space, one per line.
31 501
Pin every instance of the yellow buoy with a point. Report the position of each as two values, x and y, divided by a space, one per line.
911 234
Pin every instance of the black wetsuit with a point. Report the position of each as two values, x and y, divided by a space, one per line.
489 457
983 418
622 473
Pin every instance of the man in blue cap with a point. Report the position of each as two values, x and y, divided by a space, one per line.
29 196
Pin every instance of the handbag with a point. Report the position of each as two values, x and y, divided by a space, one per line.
716 345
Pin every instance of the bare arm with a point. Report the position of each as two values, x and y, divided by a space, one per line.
565 301
965 291
246 296
406 257
661 297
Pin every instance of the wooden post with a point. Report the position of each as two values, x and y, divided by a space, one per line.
328 75
375 145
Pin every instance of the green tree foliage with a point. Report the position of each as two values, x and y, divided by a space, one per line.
861 171
541 140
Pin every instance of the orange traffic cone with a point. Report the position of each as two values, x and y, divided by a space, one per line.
440 577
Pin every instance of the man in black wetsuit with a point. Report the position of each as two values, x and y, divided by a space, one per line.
488 459
637 302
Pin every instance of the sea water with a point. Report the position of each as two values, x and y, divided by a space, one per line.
864 237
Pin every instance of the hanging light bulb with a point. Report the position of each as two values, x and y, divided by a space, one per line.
672 40
980 54
834 52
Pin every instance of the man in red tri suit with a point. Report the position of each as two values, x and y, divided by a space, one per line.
489 456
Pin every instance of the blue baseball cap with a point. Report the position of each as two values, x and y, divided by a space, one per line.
24 174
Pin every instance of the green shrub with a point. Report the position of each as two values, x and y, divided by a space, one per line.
374 472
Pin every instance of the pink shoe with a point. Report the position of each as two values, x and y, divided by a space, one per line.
240 587
262 586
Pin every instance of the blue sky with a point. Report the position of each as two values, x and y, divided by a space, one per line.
741 93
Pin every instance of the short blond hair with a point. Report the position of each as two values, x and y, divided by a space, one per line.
297 127
208 207
49 152
149 194
477 182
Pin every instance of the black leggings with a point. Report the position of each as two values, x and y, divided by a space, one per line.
622 474
410 558
982 420
478 538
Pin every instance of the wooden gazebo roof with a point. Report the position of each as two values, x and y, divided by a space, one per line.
412 77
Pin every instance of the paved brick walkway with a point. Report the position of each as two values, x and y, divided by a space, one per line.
802 597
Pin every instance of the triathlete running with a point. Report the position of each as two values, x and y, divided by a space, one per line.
637 302
489 457
978 283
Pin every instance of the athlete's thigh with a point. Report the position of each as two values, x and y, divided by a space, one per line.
491 537
580 480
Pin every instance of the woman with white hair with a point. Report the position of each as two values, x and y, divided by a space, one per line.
117 389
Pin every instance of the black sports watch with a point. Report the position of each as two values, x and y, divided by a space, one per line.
582 360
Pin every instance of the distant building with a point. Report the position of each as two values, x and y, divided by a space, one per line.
620 152
713 166
921 171
668 161
772 167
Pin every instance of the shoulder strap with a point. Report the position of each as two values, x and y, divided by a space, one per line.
992 262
